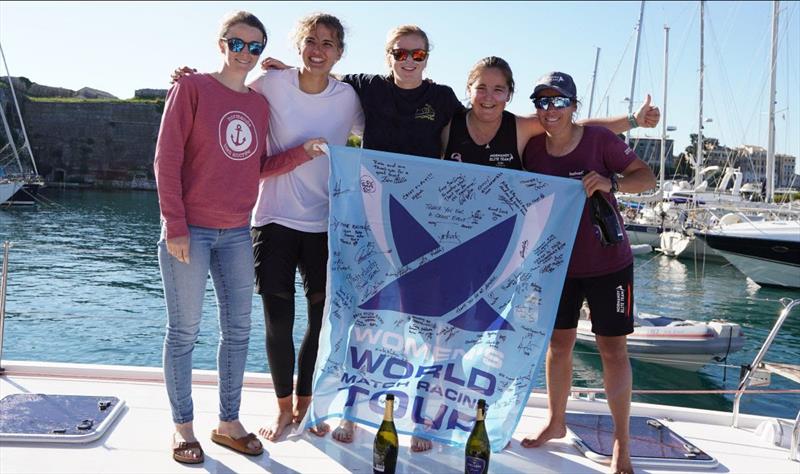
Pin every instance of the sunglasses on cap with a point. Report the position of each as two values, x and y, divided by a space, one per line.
237 45
559 102
417 55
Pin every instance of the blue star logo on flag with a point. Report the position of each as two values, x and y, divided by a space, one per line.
451 278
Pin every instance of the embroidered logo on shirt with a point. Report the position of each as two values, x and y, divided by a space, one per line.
426 112
237 136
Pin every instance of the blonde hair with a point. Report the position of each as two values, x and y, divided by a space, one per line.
307 24
404 30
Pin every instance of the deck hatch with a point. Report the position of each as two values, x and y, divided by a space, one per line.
44 418
652 443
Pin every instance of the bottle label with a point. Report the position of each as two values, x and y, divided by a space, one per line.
475 465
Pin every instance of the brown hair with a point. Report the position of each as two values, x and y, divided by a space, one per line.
247 18
307 24
492 62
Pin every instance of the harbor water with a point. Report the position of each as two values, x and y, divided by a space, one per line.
85 287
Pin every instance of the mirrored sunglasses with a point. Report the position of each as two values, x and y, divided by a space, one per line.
417 55
559 102
237 45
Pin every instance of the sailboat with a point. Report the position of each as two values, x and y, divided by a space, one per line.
19 181
686 211
768 252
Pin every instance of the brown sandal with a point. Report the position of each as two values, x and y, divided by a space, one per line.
184 446
238 444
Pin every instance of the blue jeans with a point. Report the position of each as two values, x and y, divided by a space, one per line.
228 255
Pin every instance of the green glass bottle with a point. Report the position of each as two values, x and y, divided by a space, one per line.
478 448
386 446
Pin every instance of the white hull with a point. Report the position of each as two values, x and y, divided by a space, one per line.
139 440
678 343
649 235
765 272
768 252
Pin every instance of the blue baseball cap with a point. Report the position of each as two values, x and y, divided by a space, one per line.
558 81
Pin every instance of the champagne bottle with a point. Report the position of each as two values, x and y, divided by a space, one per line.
386 446
478 448
605 219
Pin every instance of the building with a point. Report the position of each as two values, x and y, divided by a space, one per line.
649 151
752 160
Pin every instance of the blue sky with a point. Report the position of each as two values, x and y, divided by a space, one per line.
122 46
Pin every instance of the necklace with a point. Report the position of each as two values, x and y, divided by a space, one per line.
479 136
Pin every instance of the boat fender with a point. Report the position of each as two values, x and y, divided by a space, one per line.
775 432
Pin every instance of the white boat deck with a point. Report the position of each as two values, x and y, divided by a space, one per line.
139 440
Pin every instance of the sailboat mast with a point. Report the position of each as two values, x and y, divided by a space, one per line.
635 65
663 159
10 138
699 152
773 68
594 80
19 114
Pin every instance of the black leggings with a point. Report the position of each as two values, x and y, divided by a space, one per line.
279 318
279 252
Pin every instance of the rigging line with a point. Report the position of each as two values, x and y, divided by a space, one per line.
614 75
787 13
764 73
674 66
720 46
641 391
721 115
649 68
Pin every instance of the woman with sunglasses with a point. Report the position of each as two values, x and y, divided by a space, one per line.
599 271
290 218
209 154
487 134
403 114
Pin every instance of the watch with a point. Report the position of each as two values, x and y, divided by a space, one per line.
614 184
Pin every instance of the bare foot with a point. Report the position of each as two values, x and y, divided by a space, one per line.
551 431
344 432
274 431
419 445
320 429
187 435
621 460
300 407
235 430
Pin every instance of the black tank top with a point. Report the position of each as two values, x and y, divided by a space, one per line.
501 151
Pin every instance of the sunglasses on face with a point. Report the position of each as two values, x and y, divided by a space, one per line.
237 45
559 102
417 55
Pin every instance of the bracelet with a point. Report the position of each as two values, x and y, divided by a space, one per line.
632 121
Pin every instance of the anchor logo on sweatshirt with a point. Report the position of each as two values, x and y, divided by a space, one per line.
453 283
237 136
